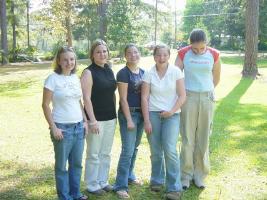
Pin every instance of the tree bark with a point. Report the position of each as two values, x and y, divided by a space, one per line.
68 22
28 24
156 22
4 32
102 11
14 44
250 68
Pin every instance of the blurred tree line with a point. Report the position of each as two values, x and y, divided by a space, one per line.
79 22
224 21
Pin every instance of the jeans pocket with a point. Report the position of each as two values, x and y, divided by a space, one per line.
67 130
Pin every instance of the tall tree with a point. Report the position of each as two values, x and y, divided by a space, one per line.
13 22
4 32
250 68
122 23
102 12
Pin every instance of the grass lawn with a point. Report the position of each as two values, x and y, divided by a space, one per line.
238 143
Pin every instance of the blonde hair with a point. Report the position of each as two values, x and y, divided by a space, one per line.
95 44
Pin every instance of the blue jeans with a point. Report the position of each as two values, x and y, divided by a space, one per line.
130 141
162 141
70 149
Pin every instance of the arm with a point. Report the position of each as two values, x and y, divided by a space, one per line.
47 98
123 90
180 90
87 84
216 72
179 63
144 103
85 123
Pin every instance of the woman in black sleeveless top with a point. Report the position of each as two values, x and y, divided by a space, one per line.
98 86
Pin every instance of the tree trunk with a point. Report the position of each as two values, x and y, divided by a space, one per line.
156 22
102 11
28 24
14 45
4 32
250 68
68 22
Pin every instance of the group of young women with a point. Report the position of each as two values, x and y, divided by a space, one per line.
150 101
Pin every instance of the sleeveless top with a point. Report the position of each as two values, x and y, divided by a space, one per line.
103 92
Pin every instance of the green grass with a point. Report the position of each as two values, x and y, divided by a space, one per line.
239 60
238 147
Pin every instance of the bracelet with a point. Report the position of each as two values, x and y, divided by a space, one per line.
93 123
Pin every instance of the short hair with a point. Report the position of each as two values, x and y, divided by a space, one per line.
197 35
56 65
128 46
95 44
161 46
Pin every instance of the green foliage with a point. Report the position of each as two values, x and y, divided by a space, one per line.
224 21
167 38
23 54
145 51
114 54
122 27
81 54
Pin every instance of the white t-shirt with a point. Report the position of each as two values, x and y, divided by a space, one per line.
163 93
66 97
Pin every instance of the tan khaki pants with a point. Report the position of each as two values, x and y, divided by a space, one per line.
196 124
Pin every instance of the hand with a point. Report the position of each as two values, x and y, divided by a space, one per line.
94 128
148 127
86 129
57 133
130 125
166 114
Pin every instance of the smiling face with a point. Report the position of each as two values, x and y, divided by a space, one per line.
100 55
161 56
67 62
199 47
132 55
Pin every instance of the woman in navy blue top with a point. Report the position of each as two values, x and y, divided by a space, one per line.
129 81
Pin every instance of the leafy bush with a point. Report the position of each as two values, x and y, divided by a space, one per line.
145 51
82 54
47 56
114 54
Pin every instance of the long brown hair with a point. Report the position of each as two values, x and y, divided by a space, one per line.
56 65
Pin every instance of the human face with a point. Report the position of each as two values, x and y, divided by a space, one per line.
162 57
132 55
100 55
67 61
199 47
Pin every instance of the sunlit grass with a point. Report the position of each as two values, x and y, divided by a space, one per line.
238 148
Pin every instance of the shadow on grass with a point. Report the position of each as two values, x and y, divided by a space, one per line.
239 127
21 181
24 182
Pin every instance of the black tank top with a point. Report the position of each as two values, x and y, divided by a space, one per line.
103 92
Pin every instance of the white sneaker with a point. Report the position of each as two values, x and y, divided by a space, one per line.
122 194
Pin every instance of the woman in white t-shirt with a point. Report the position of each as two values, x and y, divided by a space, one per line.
67 123
163 94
